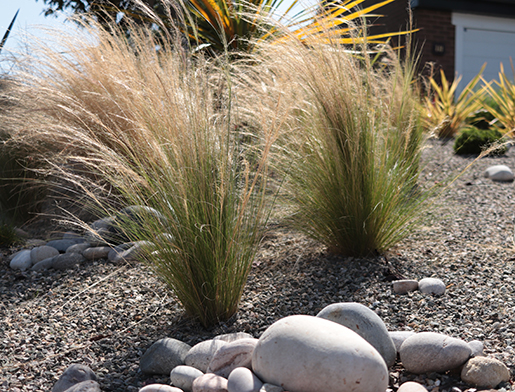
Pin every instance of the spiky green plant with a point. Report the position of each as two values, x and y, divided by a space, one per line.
445 113
502 104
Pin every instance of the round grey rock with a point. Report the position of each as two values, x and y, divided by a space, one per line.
62 245
78 248
242 379
182 376
431 286
398 337
485 372
97 252
236 354
163 356
404 286
139 214
42 252
21 260
477 348
44 264
499 173
129 252
201 354
366 323
85 386
73 375
210 383
428 352
311 354
67 261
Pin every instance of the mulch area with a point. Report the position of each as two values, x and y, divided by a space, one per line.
106 316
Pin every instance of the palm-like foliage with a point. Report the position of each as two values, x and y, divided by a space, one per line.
238 23
503 96
445 114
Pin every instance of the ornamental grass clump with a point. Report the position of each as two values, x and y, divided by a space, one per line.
352 150
159 128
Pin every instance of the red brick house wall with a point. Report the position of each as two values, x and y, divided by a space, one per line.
435 26
436 33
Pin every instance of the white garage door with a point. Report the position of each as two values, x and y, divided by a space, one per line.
481 39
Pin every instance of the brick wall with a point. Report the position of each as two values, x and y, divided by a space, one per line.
435 28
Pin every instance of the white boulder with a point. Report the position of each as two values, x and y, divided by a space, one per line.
499 173
311 354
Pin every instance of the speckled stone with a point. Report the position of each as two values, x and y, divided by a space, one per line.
485 372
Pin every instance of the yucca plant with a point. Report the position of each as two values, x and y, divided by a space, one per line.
445 113
352 149
502 93
236 25
159 127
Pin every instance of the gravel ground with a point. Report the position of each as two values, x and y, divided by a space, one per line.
106 316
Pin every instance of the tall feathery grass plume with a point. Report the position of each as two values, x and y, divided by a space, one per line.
151 123
351 149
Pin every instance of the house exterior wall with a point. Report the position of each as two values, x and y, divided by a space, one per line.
435 28
436 33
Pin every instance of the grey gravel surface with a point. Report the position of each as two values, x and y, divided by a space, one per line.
106 316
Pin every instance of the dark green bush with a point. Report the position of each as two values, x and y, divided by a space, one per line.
474 140
483 118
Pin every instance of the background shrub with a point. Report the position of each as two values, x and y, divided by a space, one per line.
473 140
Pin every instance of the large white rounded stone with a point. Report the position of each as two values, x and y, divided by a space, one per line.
311 354
366 323
427 352
499 173
41 253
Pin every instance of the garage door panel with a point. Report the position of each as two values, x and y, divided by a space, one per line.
481 39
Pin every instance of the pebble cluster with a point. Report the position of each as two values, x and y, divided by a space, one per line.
72 249
346 347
